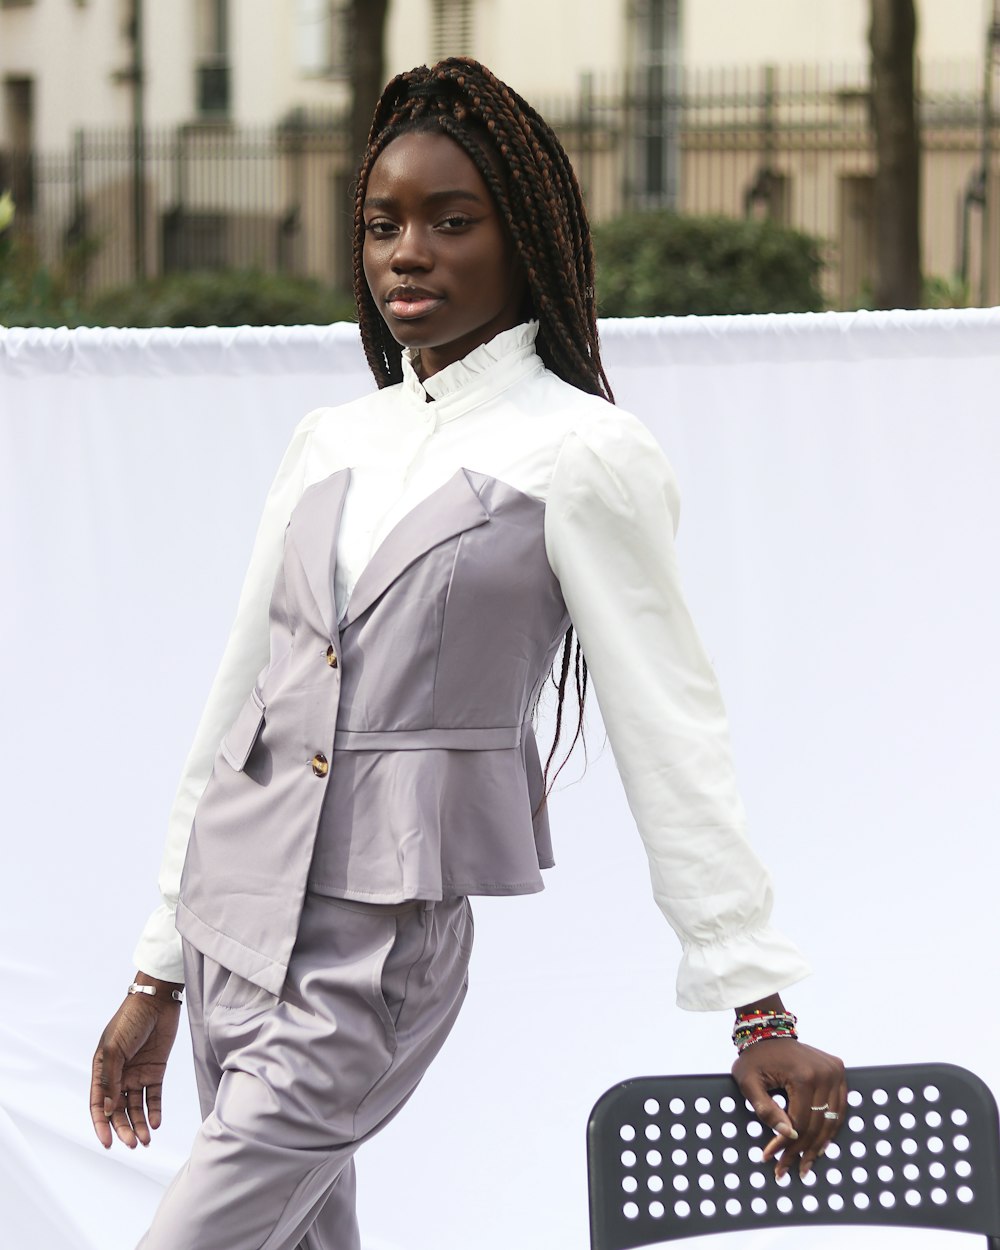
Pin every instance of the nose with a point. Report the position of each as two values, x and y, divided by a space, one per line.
411 252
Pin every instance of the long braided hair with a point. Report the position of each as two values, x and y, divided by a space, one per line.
536 191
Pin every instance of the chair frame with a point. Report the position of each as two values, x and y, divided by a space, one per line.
676 1157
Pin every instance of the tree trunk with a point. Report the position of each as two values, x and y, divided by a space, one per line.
368 19
898 282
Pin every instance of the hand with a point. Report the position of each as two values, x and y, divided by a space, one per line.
810 1078
126 1088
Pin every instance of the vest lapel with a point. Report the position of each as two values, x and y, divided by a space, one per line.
447 511
313 527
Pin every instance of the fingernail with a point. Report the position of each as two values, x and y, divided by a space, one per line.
786 1130
109 1106
805 1169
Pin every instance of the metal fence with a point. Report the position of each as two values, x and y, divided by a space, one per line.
212 197
796 143
792 143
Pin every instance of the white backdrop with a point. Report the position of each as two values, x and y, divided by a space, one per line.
841 521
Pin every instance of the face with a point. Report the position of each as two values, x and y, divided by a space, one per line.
437 255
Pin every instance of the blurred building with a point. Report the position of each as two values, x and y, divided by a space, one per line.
700 105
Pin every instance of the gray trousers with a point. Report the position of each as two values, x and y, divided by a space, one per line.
291 1086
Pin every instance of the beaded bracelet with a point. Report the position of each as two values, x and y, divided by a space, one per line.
749 1022
757 1026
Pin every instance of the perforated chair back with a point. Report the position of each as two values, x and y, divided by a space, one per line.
673 1157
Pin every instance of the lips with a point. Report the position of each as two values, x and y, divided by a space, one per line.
409 302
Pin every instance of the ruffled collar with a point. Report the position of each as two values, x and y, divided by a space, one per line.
483 373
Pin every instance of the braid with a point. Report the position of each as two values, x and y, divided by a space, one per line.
539 199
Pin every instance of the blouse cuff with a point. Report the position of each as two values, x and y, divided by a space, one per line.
158 952
738 970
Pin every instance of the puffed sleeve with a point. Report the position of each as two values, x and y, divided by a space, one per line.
158 952
610 520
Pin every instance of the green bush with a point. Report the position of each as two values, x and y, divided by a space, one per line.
658 264
37 297
30 293
233 297
941 292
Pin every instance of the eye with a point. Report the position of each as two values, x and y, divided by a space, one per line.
380 227
455 221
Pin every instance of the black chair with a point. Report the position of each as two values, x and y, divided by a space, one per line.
679 1156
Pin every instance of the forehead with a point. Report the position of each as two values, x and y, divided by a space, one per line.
422 163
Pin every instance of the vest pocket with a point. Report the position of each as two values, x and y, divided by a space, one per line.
238 742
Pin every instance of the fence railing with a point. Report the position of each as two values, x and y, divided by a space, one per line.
793 143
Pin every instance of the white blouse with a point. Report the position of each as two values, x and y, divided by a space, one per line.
610 518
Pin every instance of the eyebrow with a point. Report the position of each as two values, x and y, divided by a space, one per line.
457 193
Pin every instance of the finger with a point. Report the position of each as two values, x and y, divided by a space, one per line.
136 1115
755 1090
772 1114
831 1100
784 1145
809 1106
100 1119
839 1106
154 1104
120 1123
102 1099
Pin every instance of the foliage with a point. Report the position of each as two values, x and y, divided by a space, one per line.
661 263
30 293
33 294
41 300
221 298
941 292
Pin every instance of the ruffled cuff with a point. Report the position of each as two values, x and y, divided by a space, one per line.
158 952
737 970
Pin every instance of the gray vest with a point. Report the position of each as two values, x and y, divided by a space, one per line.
392 758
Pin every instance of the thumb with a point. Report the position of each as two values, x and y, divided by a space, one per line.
110 1065
766 1109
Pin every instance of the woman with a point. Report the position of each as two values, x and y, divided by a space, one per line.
424 554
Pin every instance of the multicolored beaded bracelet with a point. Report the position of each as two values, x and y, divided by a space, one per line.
757 1026
747 1022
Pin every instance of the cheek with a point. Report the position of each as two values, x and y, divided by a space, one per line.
496 267
367 263
372 271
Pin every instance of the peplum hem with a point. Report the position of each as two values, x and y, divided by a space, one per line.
432 823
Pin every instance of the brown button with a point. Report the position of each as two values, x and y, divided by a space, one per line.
331 657
320 764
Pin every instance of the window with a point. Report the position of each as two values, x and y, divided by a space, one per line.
451 28
323 37
212 71
656 53
17 163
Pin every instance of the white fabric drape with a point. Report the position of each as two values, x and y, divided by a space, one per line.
839 523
